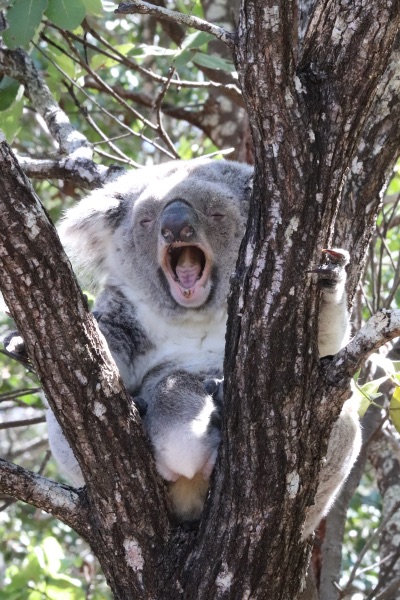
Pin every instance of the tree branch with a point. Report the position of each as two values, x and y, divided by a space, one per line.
62 501
78 164
19 65
381 328
81 171
145 8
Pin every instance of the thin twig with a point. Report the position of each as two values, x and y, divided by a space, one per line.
17 393
365 549
121 156
22 423
144 8
103 110
157 105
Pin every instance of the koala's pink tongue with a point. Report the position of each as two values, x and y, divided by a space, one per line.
188 267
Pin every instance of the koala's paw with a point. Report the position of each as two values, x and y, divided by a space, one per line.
14 346
215 387
332 272
140 404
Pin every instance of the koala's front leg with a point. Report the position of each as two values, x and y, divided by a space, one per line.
334 332
334 324
183 423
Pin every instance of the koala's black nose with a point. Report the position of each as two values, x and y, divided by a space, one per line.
178 222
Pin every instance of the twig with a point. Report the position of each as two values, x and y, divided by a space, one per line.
144 8
17 393
121 156
105 111
394 558
157 105
367 546
22 423
104 86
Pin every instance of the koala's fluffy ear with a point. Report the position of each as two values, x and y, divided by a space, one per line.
86 231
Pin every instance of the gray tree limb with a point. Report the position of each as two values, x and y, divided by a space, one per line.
19 65
62 501
145 8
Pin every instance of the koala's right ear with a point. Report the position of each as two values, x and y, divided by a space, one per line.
87 229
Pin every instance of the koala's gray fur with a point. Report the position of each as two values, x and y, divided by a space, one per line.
161 243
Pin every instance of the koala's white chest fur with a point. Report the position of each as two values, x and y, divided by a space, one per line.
194 343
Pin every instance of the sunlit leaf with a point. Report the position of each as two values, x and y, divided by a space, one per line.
53 553
67 14
394 409
367 393
24 18
93 7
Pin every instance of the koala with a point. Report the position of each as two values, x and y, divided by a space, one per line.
160 245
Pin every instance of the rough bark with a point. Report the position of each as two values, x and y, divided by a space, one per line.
307 103
385 456
82 385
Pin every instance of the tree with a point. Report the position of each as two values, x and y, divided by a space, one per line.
318 81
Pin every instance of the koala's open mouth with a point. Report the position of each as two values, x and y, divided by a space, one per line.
187 269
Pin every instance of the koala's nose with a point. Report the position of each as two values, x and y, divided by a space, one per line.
178 222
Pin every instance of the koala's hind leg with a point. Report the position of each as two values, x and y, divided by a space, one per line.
343 448
62 451
183 424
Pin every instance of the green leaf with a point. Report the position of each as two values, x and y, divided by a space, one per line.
371 387
367 393
93 7
11 120
9 89
213 62
24 18
196 39
67 14
182 58
394 409
147 50
394 186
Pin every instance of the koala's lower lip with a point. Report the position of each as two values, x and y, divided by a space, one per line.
187 268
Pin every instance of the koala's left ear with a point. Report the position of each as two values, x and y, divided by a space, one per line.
86 230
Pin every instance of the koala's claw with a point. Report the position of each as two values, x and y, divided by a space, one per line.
215 387
140 404
332 270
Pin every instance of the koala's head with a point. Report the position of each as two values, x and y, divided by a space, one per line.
170 234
